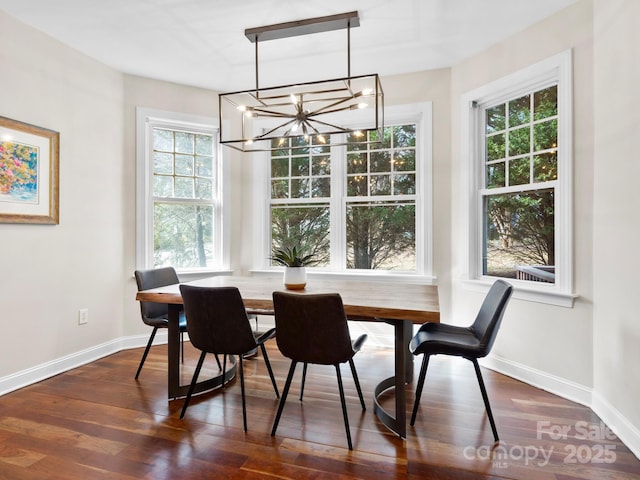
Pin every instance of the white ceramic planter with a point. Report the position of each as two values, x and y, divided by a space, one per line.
295 278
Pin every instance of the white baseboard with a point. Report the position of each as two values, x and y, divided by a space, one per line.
136 341
40 372
616 421
539 379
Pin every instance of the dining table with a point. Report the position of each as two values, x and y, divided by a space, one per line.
397 303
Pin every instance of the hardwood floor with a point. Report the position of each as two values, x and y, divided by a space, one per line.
97 422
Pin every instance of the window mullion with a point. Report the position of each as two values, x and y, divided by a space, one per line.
338 233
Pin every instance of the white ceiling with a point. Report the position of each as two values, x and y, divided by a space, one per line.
202 42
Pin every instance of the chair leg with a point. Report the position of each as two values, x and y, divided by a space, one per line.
182 345
485 397
344 407
304 378
193 384
244 405
268 363
218 361
357 382
146 351
224 367
423 372
283 399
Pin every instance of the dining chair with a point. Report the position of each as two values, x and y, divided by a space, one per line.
154 314
217 323
472 342
312 329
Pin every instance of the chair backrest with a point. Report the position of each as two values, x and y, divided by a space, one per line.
154 278
217 321
312 328
487 322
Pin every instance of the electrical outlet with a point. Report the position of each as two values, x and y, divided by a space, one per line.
83 316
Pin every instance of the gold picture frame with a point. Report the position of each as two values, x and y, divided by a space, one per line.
29 176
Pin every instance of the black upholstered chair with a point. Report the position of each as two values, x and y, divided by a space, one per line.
156 314
217 323
312 329
470 342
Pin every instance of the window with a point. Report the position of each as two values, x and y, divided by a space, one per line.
179 194
359 209
381 201
520 178
301 197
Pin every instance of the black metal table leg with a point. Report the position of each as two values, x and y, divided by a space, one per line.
403 373
175 389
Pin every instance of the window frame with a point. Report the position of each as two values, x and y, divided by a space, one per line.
556 70
146 120
418 113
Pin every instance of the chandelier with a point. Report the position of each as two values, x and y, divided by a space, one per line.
263 119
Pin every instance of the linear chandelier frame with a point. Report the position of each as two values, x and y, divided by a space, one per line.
262 119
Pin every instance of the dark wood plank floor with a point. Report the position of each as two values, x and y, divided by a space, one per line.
97 422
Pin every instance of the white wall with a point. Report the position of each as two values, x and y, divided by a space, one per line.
49 272
616 216
552 343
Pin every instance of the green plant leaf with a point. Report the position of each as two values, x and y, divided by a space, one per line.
291 257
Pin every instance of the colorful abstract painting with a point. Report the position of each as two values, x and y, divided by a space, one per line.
18 172
29 178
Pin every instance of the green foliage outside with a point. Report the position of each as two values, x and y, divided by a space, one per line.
183 177
183 235
521 150
379 234
305 227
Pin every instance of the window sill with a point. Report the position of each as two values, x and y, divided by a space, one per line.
523 291
356 276
189 275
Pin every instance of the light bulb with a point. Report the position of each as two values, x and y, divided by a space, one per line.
367 91
362 105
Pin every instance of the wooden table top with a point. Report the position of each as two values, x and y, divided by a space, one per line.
366 300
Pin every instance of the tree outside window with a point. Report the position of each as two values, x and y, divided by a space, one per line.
300 195
381 213
378 191
520 176
183 195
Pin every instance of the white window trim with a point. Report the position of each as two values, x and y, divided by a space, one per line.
421 114
554 69
146 119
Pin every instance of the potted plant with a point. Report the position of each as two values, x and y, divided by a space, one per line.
294 261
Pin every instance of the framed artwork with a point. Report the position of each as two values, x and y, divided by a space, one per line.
29 178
